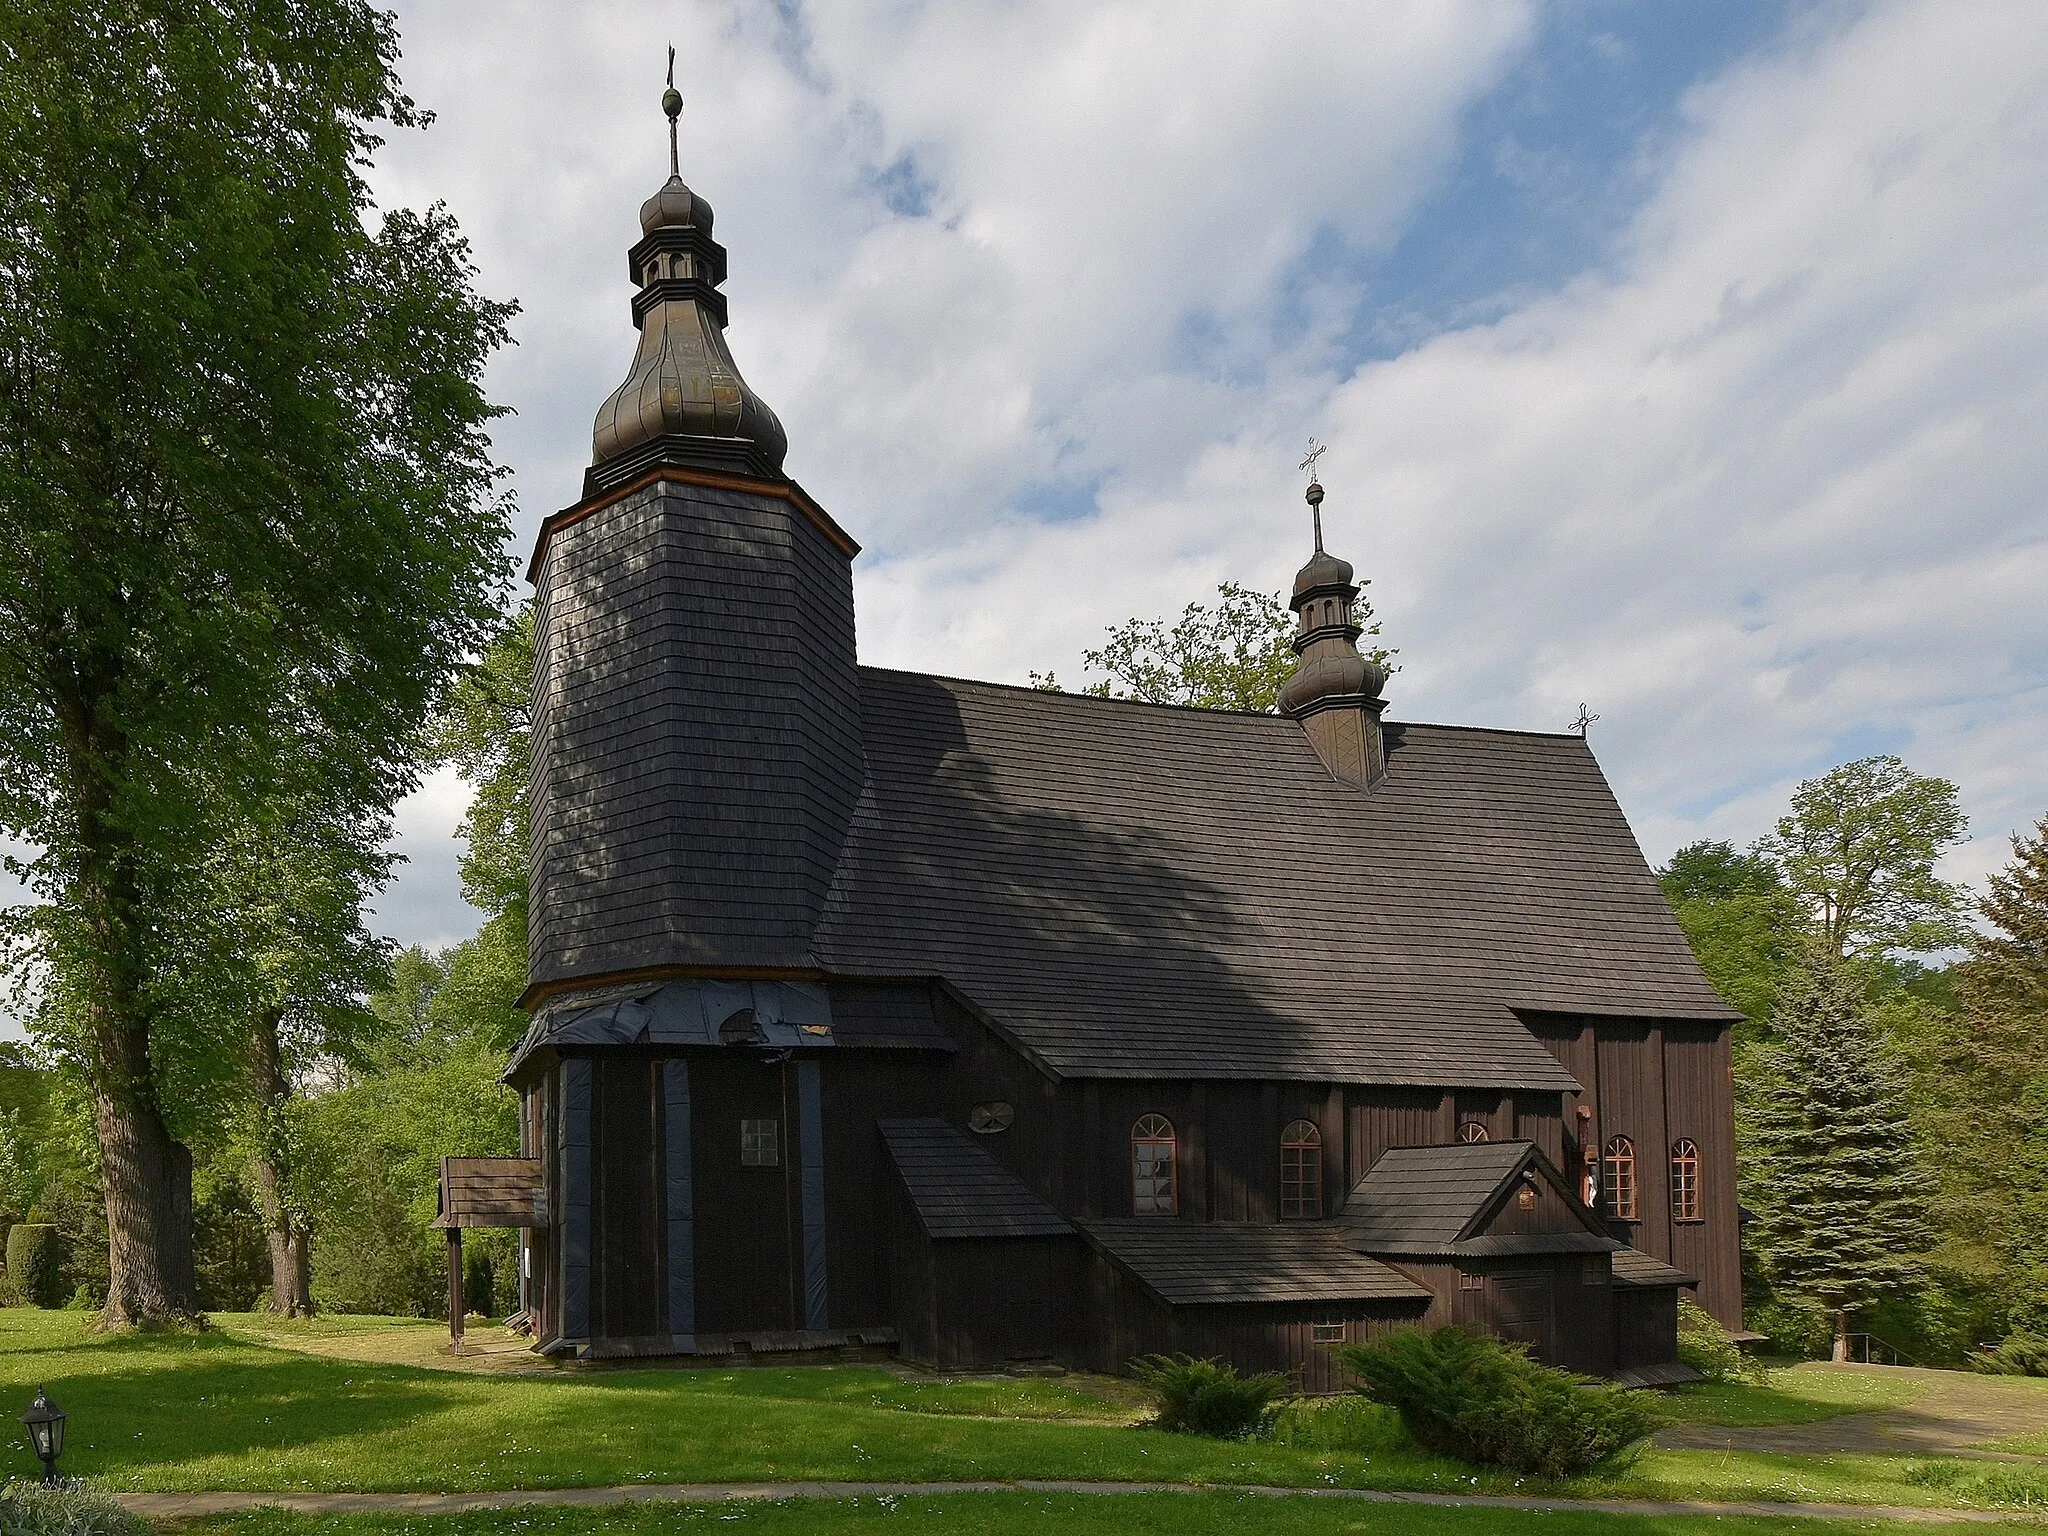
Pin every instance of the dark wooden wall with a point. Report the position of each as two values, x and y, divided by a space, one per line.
1645 1326
1561 1305
1656 1083
696 733
1123 1321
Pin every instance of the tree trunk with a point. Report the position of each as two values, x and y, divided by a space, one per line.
147 1173
1841 1355
291 1244
148 1178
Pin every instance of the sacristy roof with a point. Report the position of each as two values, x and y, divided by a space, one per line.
1192 1263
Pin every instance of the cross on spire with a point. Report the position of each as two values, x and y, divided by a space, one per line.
1315 488
672 104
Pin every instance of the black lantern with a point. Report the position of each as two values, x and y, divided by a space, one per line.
45 1421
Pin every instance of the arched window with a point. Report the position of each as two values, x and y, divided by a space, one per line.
1301 1172
1153 1192
1620 1174
1472 1130
1685 1180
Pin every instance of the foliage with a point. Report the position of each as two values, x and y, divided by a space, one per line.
29 1509
1840 1199
1233 656
2019 1353
1206 1397
1465 1394
1742 922
1348 1423
486 733
35 1264
1705 1346
246 477
1858 851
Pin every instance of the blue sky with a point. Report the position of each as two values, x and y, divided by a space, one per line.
1682 358
1689 359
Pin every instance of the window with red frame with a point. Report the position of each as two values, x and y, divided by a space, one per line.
1301 1172
1619 1173
1685 1180
1154 1191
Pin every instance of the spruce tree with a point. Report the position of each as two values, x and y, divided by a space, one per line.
1842 1203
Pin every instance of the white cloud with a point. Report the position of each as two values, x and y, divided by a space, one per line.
1765 488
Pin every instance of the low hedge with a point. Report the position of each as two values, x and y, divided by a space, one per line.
1466 1394
35 1265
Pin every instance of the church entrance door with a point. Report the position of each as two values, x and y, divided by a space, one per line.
744 1153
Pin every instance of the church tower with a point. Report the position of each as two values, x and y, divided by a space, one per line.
1335 692
696 710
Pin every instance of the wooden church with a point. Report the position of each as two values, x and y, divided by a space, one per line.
871 1008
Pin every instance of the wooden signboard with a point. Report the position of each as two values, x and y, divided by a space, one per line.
491 1192
484 1192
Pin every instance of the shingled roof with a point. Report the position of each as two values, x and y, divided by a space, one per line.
1138 890
1633 1267
1427 1201
959 1190
1191 1263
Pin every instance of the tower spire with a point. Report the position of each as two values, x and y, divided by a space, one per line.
672 104
683 401
1335 692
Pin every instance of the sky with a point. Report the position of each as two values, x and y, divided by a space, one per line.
1686 360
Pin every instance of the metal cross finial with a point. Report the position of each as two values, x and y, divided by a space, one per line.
1315 489
672 104
1315 451
1585 719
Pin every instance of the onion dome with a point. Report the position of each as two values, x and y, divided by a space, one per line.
684 401
1333 670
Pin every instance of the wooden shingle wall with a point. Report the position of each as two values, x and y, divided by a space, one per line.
696 733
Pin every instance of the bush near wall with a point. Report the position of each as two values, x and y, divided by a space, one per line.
1466 1394
35 1264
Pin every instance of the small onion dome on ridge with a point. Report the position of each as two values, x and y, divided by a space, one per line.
1322 570
1331 674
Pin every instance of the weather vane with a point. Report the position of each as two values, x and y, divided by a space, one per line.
1585 719
672 104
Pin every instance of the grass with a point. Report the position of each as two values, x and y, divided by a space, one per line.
1796 1396
1025 1514
184 1412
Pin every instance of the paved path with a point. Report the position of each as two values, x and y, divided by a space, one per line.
181 1506
1954 1415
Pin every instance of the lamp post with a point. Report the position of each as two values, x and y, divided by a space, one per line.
45 1421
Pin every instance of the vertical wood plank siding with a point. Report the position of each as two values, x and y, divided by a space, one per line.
680 1198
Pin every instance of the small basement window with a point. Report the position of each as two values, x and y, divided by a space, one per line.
1593 1272
1326 1333
760 1144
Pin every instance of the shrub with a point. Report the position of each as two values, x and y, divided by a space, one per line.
35 1264
2019 1353
1706 1347
30 1509
1206 1397
479 1282
1465 1394
1347 1423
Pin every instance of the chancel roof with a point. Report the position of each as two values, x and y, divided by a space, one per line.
1433 1202
1136 890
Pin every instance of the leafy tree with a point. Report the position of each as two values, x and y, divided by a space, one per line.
245 473
1842 1203
486 731
1858 851
1743 924
1233 656
1987 1083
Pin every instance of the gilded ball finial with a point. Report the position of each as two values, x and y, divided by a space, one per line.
672 103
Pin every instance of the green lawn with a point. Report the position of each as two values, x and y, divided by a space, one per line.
186 1412
1796 1396
1023 1514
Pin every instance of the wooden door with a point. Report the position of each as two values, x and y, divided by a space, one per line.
743 1170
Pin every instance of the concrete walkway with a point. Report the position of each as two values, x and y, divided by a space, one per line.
184 1506
1955 1414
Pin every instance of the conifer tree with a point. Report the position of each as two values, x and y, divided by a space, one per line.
1842 1203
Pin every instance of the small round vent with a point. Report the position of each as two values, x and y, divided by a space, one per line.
987 1119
